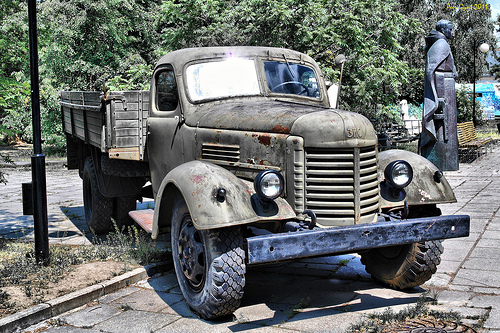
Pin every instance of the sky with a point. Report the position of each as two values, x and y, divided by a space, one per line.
495 8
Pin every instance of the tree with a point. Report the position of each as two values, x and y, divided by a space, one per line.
89 42
82 44
472 25
367 32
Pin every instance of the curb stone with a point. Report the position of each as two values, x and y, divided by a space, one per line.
56 306
51 164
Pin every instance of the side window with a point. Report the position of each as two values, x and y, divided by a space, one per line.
167 96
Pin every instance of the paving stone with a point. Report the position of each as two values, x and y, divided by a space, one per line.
453 298
148 300
465 312
490 291
484 301
264 314
89 316
439 280
163 283
107 299
448 266
180 308
191 325
137 322
483 252
477 278
493 321
488 242
314 320
69 329
482 264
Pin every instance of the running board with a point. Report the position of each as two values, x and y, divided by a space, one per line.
144 218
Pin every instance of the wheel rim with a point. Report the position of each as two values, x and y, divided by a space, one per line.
191 254
391 252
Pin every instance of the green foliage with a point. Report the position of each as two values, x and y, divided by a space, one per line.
14 107
90 42
471 27
365 31
84 43
464 106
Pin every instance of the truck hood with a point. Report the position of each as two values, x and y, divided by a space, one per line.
319 126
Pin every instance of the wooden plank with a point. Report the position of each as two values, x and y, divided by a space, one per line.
127 141
122 132
126 115
144 218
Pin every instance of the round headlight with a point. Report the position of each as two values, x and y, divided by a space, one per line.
398 174
269 184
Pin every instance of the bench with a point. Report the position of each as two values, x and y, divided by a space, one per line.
468 142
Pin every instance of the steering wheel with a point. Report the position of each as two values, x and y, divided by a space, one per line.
306 90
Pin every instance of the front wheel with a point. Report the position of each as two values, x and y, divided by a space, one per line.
209 264
405 266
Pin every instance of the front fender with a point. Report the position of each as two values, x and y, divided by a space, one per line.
198 182
423 190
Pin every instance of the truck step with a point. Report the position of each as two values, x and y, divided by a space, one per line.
144 218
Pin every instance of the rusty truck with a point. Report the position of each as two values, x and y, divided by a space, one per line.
248 164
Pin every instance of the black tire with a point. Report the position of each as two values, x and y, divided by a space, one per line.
209 264
98 208
123 205
405 266
124 168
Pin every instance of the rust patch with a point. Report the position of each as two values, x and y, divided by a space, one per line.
280 129
197 179
261 162
265 139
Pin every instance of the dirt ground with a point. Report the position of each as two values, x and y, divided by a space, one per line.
79 277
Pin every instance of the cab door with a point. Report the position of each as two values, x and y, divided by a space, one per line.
164 143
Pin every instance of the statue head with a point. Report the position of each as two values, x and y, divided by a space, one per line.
446 28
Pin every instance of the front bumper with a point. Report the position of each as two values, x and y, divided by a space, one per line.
354 238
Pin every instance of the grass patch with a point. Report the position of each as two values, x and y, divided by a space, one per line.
19 268
375 322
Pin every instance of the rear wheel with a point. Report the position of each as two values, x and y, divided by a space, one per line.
209 264
123 205
405 266
98 208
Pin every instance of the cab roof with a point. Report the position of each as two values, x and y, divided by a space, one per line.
180 57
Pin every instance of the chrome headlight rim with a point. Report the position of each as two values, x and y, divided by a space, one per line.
266 175
393 167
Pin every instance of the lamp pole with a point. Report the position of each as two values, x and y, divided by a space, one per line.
339 61
40 217
484 47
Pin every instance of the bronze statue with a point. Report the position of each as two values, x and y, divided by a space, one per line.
438 141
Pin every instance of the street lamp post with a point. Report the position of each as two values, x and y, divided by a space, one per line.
339 61
37 159
484 47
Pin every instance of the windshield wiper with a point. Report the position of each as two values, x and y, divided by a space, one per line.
289 67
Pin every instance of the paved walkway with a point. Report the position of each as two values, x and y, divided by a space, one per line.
314 295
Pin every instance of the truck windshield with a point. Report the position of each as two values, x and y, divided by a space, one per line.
290 78
219 79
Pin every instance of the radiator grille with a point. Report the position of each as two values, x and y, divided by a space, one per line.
225 153
341 185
